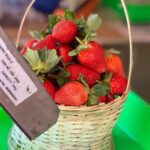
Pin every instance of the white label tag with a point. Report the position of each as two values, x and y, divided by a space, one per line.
14 81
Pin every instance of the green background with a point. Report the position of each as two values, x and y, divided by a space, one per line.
139 13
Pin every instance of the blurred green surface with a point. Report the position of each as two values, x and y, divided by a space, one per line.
132 131
5 125
139 13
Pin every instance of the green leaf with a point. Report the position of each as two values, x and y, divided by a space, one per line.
108 77
100 89
51 56
78 49
63 72
62 76
73 53
84 46
92 100
93 22
62 80
37 35
116 96
69 15
43 54
51 61
53 20
82 80
32 57
81 23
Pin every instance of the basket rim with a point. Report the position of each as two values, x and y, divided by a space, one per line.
101 106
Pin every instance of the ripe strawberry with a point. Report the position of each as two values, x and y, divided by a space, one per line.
71 94
47 42
49 87
110 98
114 64
59 12
28 44
76 70
93 57
102 99
118 84
64 31
63 52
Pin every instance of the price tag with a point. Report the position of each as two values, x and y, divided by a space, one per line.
21 93
14 81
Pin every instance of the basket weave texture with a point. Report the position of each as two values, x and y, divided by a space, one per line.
84 128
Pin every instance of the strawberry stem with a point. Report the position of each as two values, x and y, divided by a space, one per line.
84 83
108 77
79 40
113 51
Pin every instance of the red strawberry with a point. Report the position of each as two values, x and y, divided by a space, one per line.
47 42
64 31
110 98
63 52
93 57
71 94
114 64
118 84
28 44
102 99
59 12
49 87
76 70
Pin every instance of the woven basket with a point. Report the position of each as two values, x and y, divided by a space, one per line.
78 128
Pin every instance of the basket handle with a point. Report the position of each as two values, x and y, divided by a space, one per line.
129 33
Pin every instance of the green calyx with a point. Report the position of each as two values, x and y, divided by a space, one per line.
88 28
42 61
92 100
107 77
82 80
52 21
62 77
100 89
94 22
37 35
78 49
69 15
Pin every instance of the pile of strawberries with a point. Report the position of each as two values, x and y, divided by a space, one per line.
74 69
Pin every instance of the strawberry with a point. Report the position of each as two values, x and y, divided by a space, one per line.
76 70
93 57
64 31
102 99
47 42
63 52
49 87
110 98
71 94
59 12
118 84
114 63
28 44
